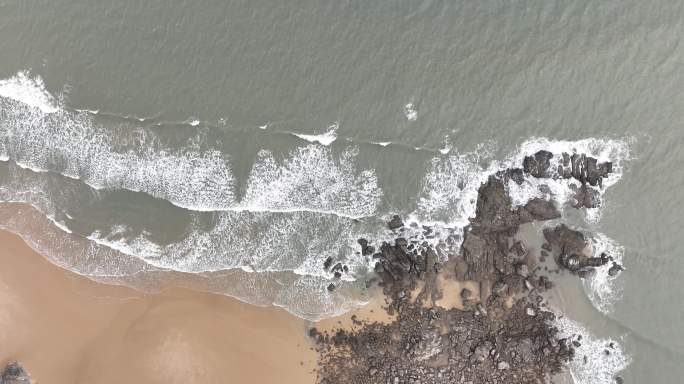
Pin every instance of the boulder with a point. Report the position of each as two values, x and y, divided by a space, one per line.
395 223
540 210
538 164
566 239
13 373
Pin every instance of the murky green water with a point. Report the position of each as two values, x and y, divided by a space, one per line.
245 142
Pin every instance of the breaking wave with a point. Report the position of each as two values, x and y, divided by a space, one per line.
602 289
73 144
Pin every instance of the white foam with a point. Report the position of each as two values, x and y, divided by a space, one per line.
72 144
193 122
600 368
303 296
91 111
616 151
410 112
382 143
326 138
449 193
602 289
311 179
191 178
29 90
447 146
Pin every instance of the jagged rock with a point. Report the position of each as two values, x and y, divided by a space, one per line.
13 373
538 165
331 287
395 222
586 197
493 210
466 294
595 261
328 262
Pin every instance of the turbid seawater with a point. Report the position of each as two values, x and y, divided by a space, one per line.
233 146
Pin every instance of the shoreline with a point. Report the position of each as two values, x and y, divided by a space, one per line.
65 328
480 316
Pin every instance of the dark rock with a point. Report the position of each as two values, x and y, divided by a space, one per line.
615 269
395 222
13 373
328 262
331 287
493 210
541 210
466 293
517 175
586 197
538 165
595 261
566 239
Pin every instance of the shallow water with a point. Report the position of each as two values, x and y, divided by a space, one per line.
234 146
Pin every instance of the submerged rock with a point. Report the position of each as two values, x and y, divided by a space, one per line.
615 269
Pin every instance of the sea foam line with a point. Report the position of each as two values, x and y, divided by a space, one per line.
188 178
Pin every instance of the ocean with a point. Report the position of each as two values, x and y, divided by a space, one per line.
233 146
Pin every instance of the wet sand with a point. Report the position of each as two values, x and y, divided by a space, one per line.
65 328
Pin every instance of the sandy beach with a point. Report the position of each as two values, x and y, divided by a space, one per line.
65 328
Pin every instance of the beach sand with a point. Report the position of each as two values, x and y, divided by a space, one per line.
64 328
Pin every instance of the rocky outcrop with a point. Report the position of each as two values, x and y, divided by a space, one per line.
571 248
502 335
585 169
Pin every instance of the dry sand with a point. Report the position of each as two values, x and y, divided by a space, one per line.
65 328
